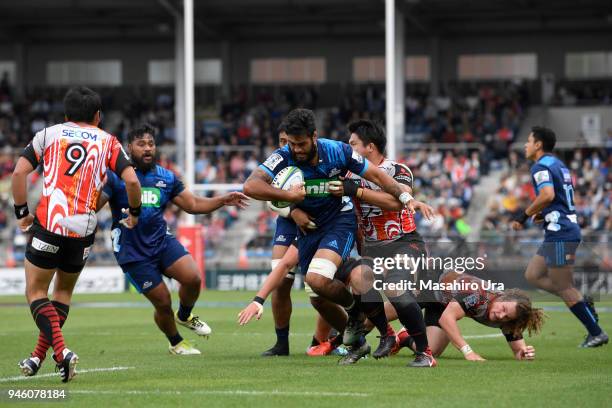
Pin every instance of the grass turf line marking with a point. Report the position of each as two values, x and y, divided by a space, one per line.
89 370
227 392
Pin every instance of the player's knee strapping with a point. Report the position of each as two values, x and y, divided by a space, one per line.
323 267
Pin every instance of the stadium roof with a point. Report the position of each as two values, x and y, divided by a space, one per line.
86 20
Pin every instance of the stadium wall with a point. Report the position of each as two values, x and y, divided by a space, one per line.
551 50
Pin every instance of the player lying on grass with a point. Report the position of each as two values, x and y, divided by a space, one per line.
321 161
552 267
284 235
388 230
149 251
510 310
63 231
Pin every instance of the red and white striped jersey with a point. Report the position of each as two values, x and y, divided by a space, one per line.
378 224
75 159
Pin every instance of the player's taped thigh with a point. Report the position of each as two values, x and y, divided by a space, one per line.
323 267
290 273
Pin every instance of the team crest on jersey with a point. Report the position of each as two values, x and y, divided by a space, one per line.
471 301
273 161
161 184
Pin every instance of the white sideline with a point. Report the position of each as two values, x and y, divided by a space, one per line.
226 392
89 370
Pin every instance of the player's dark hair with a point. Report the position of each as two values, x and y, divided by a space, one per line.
546 136
81 104
369 132
139 132
300 122
528 318
282 127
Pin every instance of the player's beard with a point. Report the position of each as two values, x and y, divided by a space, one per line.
143 166
311 155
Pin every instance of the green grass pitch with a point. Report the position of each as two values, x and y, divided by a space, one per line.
118 331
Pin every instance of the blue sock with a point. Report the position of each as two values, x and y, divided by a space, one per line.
582 312
184 312
282 335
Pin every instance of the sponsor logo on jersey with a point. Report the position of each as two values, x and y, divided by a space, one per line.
44 246
333 244
281 238
81 134
541 177
471 301
317 187
161 184
151 197
273 161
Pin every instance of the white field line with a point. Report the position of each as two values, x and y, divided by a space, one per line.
483 336
226 392
85 371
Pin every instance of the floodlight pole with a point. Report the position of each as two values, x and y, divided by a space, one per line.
390 76
189 105
179 91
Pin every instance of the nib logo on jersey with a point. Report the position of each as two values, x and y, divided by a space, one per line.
151 197
317 187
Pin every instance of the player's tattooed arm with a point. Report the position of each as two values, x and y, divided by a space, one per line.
448 321
258 186
193 204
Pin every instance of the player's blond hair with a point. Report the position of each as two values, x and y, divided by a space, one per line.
528 317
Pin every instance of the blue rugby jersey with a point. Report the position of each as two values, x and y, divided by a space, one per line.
159 186
335 158
560 222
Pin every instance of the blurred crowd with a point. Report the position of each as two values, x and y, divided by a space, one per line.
233 137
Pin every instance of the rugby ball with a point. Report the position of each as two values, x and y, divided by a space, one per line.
286 178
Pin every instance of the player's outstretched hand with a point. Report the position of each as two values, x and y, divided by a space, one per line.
254 309
130 221
25 223
427 211
527 353
238 199
474 357
297 193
